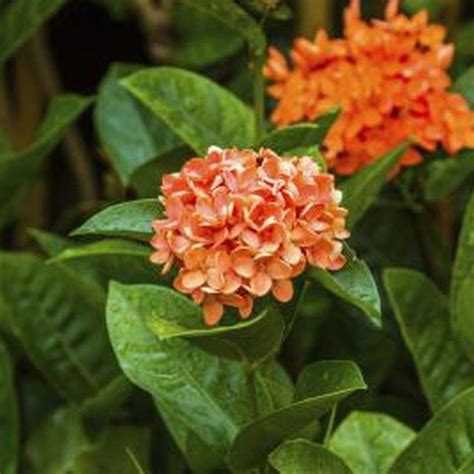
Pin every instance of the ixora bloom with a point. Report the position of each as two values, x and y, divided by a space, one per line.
241 224
388 76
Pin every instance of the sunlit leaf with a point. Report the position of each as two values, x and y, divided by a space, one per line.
369 443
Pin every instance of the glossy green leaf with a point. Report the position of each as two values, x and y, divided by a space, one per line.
128 219
175 96
462 312
354 284
423 316
300 456
319 387
109 259
105 247
369 443
446 175
17 169
301 135
361 190
229 13
131 135
175 315
58 319
414 6
199 394
20 20
464 85
202 39
9 419
445 445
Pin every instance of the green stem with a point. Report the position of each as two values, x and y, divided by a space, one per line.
259 96
332 418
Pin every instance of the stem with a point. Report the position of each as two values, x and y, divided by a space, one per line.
312 15
259 96
329 429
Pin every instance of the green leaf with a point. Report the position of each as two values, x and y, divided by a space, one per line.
9 419
55 445
277 9
360 191
423 316
105 247
319 387
447 174
20 20
204 398
303 457
235 18
445 444
462 312
17 169
63 445
112 454
108 400
58 319
109 259
202 39
128 219
301 135
131 135
175 96
370 442
414 6
174 315
354 284
464 85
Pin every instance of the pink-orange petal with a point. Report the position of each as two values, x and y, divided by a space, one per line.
260 284
283 290
213 311
193 279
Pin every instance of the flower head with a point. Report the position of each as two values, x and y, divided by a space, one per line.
388 76
241 224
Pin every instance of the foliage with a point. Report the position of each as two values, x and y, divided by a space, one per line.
105 367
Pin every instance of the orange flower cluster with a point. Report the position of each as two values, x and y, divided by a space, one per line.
388 76
241 224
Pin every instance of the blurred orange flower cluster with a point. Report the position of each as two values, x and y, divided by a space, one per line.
241 224
388 76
